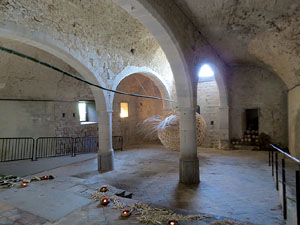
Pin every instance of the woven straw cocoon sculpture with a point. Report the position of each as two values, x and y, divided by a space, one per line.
168 131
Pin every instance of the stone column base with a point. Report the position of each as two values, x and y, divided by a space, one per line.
105 161
189 171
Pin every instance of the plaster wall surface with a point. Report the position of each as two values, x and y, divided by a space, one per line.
27 119
294 121
253 87
36 101
253 32
139 109
209 101
106 44
42 119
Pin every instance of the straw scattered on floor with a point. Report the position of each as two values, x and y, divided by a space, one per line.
226 222
144 213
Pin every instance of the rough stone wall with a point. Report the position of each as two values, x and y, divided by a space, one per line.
209 101
47 94
67 121
254 87
139 108
98 33
24 79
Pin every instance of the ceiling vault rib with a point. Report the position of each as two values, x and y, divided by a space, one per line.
203 37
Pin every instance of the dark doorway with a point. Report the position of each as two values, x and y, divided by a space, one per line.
252 119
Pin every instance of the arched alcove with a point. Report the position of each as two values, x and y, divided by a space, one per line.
208 100
212 97
165 90
42 41
139 109
45 42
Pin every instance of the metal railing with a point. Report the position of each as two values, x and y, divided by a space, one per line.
84 145
12 149
53 147
295 181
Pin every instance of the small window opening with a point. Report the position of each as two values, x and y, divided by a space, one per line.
124 109
63 115
82 111
206 71
87 112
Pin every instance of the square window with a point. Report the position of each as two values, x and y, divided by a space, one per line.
124 109
82 111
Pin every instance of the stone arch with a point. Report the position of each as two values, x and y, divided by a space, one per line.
167 40
177 55
41 41
156 78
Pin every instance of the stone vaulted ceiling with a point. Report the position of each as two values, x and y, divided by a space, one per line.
251 32
259 32
98 31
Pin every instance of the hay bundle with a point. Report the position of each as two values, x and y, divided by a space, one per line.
168 131
147 129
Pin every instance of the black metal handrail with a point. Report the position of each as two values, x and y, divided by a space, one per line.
286 154
284 183
53 147
87 144
13 149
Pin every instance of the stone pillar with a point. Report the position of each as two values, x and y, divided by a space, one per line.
105 152
189 162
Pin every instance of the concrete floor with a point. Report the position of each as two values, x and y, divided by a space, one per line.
234 184
23 168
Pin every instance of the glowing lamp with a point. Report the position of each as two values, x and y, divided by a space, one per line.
23 185
44 177
104 201
126 213
103 189
173 222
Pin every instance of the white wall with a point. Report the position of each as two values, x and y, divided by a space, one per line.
209 101
27 119
294 121
33 98
253 87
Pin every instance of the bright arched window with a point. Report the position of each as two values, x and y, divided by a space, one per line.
206 71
